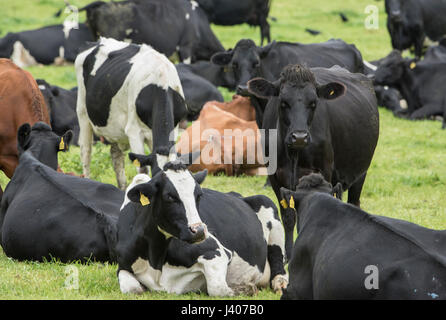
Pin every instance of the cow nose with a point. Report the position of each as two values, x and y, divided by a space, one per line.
198 231
242 89
299 138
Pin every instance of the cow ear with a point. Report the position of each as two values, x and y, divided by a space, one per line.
200 176
141 160
23 136
262 88
291 199
331 90
222 58
65 141
264 51
143 193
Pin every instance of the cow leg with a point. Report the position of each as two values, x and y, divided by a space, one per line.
136 141
85 142
118 160
354 193
427 111
215 271
264 32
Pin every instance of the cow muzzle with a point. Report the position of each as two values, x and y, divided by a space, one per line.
242 90
198 232
299 139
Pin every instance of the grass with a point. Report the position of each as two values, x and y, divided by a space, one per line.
407 178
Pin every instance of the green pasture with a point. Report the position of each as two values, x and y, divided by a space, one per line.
407 178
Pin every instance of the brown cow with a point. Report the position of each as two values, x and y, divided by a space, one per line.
239 106
208 135
20 102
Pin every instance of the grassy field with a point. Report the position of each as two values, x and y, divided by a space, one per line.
406 180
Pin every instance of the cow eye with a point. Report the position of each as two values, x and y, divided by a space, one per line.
284 104
170 198
313 105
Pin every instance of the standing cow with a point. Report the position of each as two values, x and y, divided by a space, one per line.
327 121
127 94
232 12
410 21
174 26
20 102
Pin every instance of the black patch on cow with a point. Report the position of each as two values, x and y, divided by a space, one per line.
269 225
109 78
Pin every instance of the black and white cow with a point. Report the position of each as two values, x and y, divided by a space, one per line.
128 94
175 26
343 252
46 214
418 83
61 105
47 45
326 121
412 22
175 236
232 12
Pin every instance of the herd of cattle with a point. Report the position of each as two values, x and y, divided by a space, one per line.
164 231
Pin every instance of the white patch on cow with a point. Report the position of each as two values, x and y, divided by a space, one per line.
108 45
21 56
138 179
370 66
194 4
68 25
42 87
241 272
403 104
60 60
187 16
184 184
187 60
128 283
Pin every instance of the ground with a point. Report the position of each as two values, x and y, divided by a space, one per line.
406 179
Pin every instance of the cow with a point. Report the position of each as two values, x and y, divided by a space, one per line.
61 104
175 236
20 102
128 94
326 121
418 83
249 61
175 26
197 90
228 143
343 252
411 22
389 98
47 215
53 44
239 106
232 12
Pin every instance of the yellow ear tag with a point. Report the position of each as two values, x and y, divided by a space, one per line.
144 200
332 92
136 163
62 144
413 65
292 202
335 195
283 204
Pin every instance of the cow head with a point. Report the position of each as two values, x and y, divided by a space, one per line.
400 26
7 45
244 60
298 96
172 198
392 68
42 142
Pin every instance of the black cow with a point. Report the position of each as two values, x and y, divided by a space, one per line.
61 105
128 94
342 252
45 214
418 83
175 26
197 90
326 121
232 12
248 61
174 236
48 45
410 21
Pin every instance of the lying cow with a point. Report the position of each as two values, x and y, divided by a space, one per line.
228 144
175 26
326 121
410 22
61 105
342 252
128 94
176 237
21 102
47 45
417 82
45 214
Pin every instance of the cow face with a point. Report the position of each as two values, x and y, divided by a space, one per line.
390 69
245 62
399 25
298 96
42 142
172 198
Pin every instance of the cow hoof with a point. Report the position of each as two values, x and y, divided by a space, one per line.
279 282
128 284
